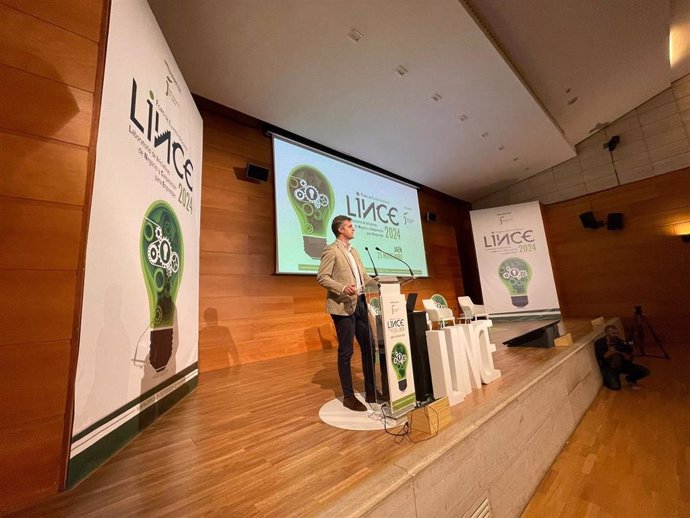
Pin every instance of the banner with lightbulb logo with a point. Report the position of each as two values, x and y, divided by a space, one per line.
514 264
398 368
138 349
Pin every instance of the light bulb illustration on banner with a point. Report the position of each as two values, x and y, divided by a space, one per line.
162 253
439 300
312 198
515 273
375 305
400 359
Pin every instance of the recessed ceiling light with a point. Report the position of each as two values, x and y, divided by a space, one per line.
355 35
485 134
436 97
401 70
572 101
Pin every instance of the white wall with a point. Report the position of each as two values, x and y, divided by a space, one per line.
654 140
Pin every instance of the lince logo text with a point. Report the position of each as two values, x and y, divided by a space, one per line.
395 323
175 150
370 210
516 237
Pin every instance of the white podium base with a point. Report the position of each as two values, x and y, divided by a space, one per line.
335 414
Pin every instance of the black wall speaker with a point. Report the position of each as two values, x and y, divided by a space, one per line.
255 172
614 221
612 143
431 217
589 221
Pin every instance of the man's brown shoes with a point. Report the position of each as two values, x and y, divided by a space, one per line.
353 403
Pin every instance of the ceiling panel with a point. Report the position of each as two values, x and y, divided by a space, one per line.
290 63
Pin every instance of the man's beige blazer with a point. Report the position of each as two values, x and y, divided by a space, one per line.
335 272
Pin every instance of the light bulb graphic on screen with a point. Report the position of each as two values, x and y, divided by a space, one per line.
162 254
400 360
311 195
515 273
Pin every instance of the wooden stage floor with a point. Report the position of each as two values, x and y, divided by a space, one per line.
249 441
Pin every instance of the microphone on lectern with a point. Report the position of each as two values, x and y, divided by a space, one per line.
376 273
398 258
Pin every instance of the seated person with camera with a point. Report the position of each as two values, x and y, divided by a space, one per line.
615 357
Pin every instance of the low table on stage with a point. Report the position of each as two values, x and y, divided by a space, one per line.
537 333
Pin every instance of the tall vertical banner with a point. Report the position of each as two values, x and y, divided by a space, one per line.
514 263
138 351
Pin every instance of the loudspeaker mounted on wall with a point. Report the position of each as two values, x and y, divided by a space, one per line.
614 221
255 172
431 217
612 143
589 221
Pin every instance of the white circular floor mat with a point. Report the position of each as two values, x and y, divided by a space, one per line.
335 414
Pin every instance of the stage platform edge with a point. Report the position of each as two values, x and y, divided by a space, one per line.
496 458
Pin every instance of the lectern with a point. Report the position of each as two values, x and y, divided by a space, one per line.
391 344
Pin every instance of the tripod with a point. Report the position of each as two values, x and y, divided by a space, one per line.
636 335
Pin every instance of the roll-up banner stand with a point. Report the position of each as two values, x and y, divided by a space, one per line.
138 350
514 264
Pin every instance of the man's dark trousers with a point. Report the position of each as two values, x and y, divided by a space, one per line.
615 366
347 328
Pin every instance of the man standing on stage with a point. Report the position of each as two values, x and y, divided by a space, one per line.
342 274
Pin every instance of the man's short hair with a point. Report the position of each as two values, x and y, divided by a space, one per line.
338 222
610 326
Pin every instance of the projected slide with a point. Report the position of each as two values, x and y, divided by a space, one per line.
311 189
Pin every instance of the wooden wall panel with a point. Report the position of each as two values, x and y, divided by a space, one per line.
222 263
222 241
247 313
32 374
42 169
451 213
81 17
254 223
69 58
602 272
31 461
41 236
43 107
48 62
36 306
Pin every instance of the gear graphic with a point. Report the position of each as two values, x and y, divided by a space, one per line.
161 254
310 194
175 262
514 274
152 254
